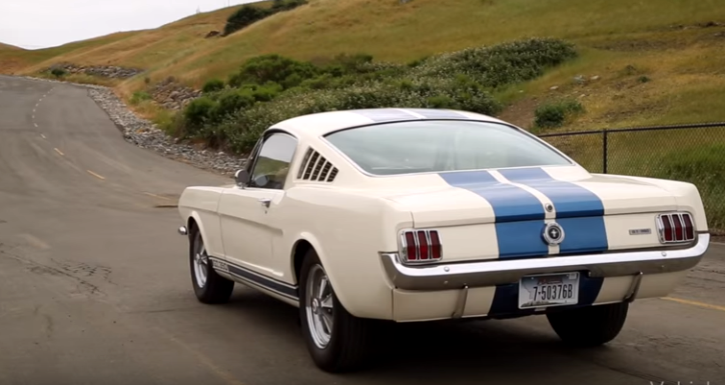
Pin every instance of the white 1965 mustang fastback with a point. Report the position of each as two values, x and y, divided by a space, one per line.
417 215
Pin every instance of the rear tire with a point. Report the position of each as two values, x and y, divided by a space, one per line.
589 326
209 287
336 340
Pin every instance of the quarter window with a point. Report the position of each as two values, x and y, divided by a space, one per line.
273 162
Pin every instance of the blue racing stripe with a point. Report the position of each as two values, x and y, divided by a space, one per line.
437 114
579 211
385 115
569 199
583 235
510 203
519 214
521 239
506 298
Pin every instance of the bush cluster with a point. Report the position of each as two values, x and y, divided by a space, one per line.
555 114
271 88
248 14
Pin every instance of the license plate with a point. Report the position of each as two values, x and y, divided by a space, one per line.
548 290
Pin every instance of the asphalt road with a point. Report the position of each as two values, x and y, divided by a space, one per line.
95 288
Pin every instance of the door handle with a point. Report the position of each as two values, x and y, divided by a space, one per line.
265 202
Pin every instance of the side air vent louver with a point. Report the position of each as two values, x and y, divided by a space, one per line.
315 167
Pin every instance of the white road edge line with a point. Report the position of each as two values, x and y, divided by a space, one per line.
96 175
43 136
36 125
59 152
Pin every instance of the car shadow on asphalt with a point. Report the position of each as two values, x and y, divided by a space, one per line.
432 351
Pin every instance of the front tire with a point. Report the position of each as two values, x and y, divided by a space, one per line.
589 326
209 287
336 340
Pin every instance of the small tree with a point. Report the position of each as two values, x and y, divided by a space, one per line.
245 16
58 72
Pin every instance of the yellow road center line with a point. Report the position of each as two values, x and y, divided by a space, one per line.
59 152
695 303
156 196
94 174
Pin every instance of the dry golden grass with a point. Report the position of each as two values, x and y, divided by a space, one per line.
684 66
654 78
8 47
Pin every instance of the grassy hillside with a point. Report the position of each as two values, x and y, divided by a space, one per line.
8 47
620 41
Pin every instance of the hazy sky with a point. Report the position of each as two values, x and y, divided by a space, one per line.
46 23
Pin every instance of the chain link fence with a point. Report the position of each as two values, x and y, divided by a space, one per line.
692 153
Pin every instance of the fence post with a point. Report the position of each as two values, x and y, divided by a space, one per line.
604 150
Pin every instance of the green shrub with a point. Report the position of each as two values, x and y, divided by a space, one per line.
198 112
229 103
213 85
282 5
244 16
554 114
140 96
58 72
499 65
248 14
273 68
270 88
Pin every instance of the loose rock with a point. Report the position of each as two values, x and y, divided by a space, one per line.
172 95
114 72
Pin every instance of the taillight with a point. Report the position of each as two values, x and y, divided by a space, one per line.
676 227
421 246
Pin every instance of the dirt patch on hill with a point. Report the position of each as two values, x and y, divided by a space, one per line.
520 113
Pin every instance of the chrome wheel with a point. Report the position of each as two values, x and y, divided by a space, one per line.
318 303
201 263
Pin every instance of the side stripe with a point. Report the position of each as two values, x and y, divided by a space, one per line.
506 299
519 214
579 211
270 284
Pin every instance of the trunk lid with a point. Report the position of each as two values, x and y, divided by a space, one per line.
503 214
479 197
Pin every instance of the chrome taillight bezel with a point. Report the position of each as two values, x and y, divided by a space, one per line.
403 249
670 218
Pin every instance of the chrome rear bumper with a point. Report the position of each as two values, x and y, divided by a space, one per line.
496 272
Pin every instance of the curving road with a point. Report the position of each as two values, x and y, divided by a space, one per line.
94 285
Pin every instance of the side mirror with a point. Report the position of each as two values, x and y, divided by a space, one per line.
241 177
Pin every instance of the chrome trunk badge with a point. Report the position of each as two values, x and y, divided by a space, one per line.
553 233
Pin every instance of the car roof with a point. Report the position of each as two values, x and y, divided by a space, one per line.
322 123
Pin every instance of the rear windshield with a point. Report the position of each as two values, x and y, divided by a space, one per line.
438 146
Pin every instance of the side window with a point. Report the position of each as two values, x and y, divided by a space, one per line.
273 162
